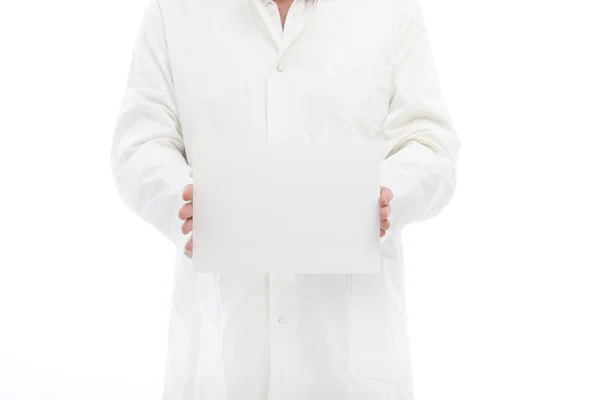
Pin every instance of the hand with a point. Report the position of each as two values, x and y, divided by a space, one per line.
186 214
385 197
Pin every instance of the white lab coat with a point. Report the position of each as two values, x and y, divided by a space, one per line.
218 69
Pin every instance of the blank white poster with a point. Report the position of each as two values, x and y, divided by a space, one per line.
270 206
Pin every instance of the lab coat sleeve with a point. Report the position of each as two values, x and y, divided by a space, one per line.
148 155
421 147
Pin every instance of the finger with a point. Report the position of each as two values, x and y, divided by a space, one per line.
188 254
385 212
385 225
188 192
186 211
187 226
189 246
381 233
385 196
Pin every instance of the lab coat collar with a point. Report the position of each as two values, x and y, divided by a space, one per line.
260 13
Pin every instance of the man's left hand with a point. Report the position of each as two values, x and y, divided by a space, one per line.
385 197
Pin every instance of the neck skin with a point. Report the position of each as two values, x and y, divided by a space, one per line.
284 7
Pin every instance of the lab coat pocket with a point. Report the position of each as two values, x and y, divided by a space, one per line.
355 98
372 344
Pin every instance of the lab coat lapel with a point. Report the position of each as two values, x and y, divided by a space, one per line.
319 17
263 21
307 22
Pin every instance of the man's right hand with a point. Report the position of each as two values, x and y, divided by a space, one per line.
186 214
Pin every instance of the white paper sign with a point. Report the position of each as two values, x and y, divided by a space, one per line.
274 206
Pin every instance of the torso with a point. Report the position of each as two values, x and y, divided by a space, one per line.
342 333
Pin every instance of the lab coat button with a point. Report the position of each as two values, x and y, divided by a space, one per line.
280 320
279 68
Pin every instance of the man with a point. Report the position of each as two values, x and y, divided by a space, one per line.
285 70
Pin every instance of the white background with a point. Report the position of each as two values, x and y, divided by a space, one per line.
503 287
